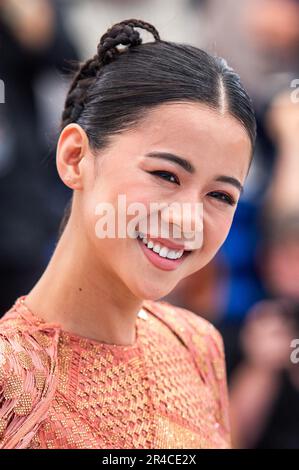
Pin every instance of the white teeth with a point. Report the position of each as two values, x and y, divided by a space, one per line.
157 248
162 251
179 254
171 254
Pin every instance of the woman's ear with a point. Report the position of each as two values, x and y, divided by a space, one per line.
71 149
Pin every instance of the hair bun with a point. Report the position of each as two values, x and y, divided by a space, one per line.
122 33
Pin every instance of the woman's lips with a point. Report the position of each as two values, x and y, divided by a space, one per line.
165 264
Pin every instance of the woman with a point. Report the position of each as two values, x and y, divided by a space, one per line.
90 357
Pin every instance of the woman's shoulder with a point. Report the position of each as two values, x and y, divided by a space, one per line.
184 320
199 335
21 331
28 352
206 346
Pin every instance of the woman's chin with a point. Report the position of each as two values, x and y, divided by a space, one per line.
152 291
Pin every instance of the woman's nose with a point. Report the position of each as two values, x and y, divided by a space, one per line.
185 221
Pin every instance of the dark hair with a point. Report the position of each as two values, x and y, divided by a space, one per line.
114 90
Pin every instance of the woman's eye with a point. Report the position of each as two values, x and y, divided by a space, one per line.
167 175
223 197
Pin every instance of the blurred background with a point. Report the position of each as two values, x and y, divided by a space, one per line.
250 291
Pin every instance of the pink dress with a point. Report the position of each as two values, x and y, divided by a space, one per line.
60 390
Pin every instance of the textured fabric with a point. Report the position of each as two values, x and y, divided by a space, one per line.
62 390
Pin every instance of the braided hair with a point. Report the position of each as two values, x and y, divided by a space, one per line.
120 33
115 89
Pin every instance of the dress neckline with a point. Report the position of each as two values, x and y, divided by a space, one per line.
23 309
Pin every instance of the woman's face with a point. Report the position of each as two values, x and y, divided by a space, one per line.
218 149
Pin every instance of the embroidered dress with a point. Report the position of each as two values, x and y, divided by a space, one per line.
62 390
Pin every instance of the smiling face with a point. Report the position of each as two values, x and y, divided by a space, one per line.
217 150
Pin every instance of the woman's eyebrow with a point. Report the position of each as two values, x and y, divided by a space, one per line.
187 166
230 180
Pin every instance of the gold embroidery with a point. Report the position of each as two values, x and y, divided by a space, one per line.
40 379
150 395
3 425
13 387
42 339
24 404
25 360
25 343
44 357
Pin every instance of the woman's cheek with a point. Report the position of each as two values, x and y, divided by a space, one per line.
215 235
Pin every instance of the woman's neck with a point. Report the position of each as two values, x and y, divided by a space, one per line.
83 297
